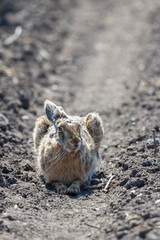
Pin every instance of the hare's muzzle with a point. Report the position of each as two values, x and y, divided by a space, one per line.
75 143
75 140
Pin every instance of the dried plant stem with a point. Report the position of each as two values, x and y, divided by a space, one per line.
108 183
89 225
92 187
155 142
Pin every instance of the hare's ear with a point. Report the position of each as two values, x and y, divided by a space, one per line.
53 112
93 121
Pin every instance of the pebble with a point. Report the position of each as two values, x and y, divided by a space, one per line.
124 166
1 180
142 149
135 183
157 201
124 181
20 128
157 128
24 101
133 195
13 105
2 95
1 220
143 232
3 126
121 234
130 148
147 163
139 195
152 235
139 201
151 144
25 117
6 170
12 180
134 172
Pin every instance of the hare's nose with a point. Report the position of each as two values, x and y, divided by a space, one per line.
76 140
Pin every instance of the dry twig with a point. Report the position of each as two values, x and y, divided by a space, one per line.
156 143
2 116
92 187
14 36
89 225
108 183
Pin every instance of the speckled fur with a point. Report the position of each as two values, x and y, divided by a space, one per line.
70 161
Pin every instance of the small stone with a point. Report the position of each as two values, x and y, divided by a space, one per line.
5 170
121 234
130 148
24 195
147 163
20 128
3 126
143 232
24 101
1 180
142 149
14 105
139 183
134 172
26 177
25 117
15 206
133 153
1 220
124 166
151 144
28 167
12 180
133 195
139 201
157 128
10 218
124 181
1 95
157 201
139 195
152 235
135 183
89 235
5 215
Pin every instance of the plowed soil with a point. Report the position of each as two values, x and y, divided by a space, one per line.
87 55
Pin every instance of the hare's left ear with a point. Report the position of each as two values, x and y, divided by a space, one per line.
53 112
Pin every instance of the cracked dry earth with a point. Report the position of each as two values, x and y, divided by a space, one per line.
86 55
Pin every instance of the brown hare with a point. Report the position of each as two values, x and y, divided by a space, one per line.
67 147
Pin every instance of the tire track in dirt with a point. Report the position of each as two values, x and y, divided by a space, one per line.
105 40
104 52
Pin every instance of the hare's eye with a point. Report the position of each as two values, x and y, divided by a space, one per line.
59 129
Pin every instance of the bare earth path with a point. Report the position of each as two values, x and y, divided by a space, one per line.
85 55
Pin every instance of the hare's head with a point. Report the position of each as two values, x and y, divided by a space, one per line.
69 135
68 129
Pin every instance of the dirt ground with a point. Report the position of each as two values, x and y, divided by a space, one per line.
86 55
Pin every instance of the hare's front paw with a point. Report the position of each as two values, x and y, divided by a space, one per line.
73 189
61 188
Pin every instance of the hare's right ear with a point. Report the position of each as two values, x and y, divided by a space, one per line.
53 112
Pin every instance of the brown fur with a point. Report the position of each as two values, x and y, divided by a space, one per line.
67 147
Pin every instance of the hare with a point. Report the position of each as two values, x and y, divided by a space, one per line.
67 147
